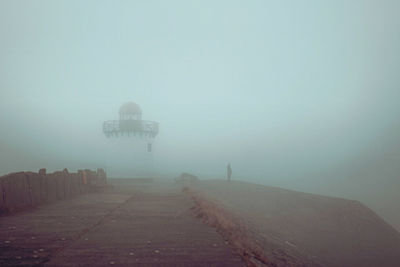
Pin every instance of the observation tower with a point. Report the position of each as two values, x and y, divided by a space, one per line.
130 143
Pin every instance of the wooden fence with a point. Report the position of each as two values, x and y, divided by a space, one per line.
29 189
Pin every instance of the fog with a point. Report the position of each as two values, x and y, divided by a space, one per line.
300 95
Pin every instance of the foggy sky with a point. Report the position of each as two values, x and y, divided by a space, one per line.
301 94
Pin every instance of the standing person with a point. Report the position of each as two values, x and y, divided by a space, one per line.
229 171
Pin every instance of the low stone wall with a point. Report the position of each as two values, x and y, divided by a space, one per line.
29 189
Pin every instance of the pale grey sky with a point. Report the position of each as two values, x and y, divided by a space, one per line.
292 93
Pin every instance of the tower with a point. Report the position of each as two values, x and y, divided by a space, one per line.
130 143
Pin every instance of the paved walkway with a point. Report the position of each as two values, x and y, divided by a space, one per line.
133 225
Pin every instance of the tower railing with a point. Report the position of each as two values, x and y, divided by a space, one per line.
130 127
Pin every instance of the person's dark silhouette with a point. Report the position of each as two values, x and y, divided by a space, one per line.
229 172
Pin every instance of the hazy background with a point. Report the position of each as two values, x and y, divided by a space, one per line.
297 94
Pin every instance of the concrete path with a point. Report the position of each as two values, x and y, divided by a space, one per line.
135 224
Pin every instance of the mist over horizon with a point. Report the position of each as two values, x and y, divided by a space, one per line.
300 96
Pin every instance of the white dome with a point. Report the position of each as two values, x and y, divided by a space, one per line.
130 108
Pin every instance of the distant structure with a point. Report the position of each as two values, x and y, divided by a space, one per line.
130 142
130 122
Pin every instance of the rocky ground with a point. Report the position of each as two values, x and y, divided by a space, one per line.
290 228
134 224
147 222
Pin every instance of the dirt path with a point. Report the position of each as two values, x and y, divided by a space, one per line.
135 224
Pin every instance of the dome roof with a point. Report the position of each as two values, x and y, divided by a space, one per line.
130 108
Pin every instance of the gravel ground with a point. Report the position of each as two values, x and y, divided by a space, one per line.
134 224
299 229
